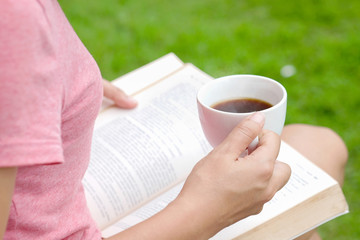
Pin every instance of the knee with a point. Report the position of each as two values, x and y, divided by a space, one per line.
321 145
335 144
323 137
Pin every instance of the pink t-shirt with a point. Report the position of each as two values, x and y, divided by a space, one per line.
51 91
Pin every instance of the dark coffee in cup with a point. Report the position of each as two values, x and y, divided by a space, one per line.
217 124
242 105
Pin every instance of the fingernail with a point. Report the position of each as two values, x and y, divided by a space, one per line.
258 117
132 100
128 99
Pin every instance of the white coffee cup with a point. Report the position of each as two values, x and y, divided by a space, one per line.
217 124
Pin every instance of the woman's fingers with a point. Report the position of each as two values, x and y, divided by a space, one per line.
279 178
275 174
120 98
242 135
268 147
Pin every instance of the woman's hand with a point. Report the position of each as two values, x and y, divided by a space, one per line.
223 189
120 98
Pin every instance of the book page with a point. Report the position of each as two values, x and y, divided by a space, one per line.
306 181
137 154
143 213
146 75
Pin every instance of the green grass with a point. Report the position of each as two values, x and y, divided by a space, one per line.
320 38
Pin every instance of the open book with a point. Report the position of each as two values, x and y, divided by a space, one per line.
141 157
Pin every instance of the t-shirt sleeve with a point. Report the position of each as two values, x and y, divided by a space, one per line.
30 100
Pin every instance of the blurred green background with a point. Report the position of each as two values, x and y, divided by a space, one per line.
321 39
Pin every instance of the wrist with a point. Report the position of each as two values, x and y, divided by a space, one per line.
180 220
197 219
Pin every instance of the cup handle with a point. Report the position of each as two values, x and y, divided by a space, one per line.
252 146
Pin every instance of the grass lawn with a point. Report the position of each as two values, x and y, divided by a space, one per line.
320 39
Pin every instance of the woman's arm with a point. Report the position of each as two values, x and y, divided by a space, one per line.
222 188
7 184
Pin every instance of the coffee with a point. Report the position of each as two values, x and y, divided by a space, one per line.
242 105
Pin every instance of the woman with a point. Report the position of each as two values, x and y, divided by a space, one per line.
51 91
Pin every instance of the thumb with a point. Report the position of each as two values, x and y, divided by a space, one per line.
243 134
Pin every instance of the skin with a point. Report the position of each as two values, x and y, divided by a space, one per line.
120 98
323 147
7 183
221 189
